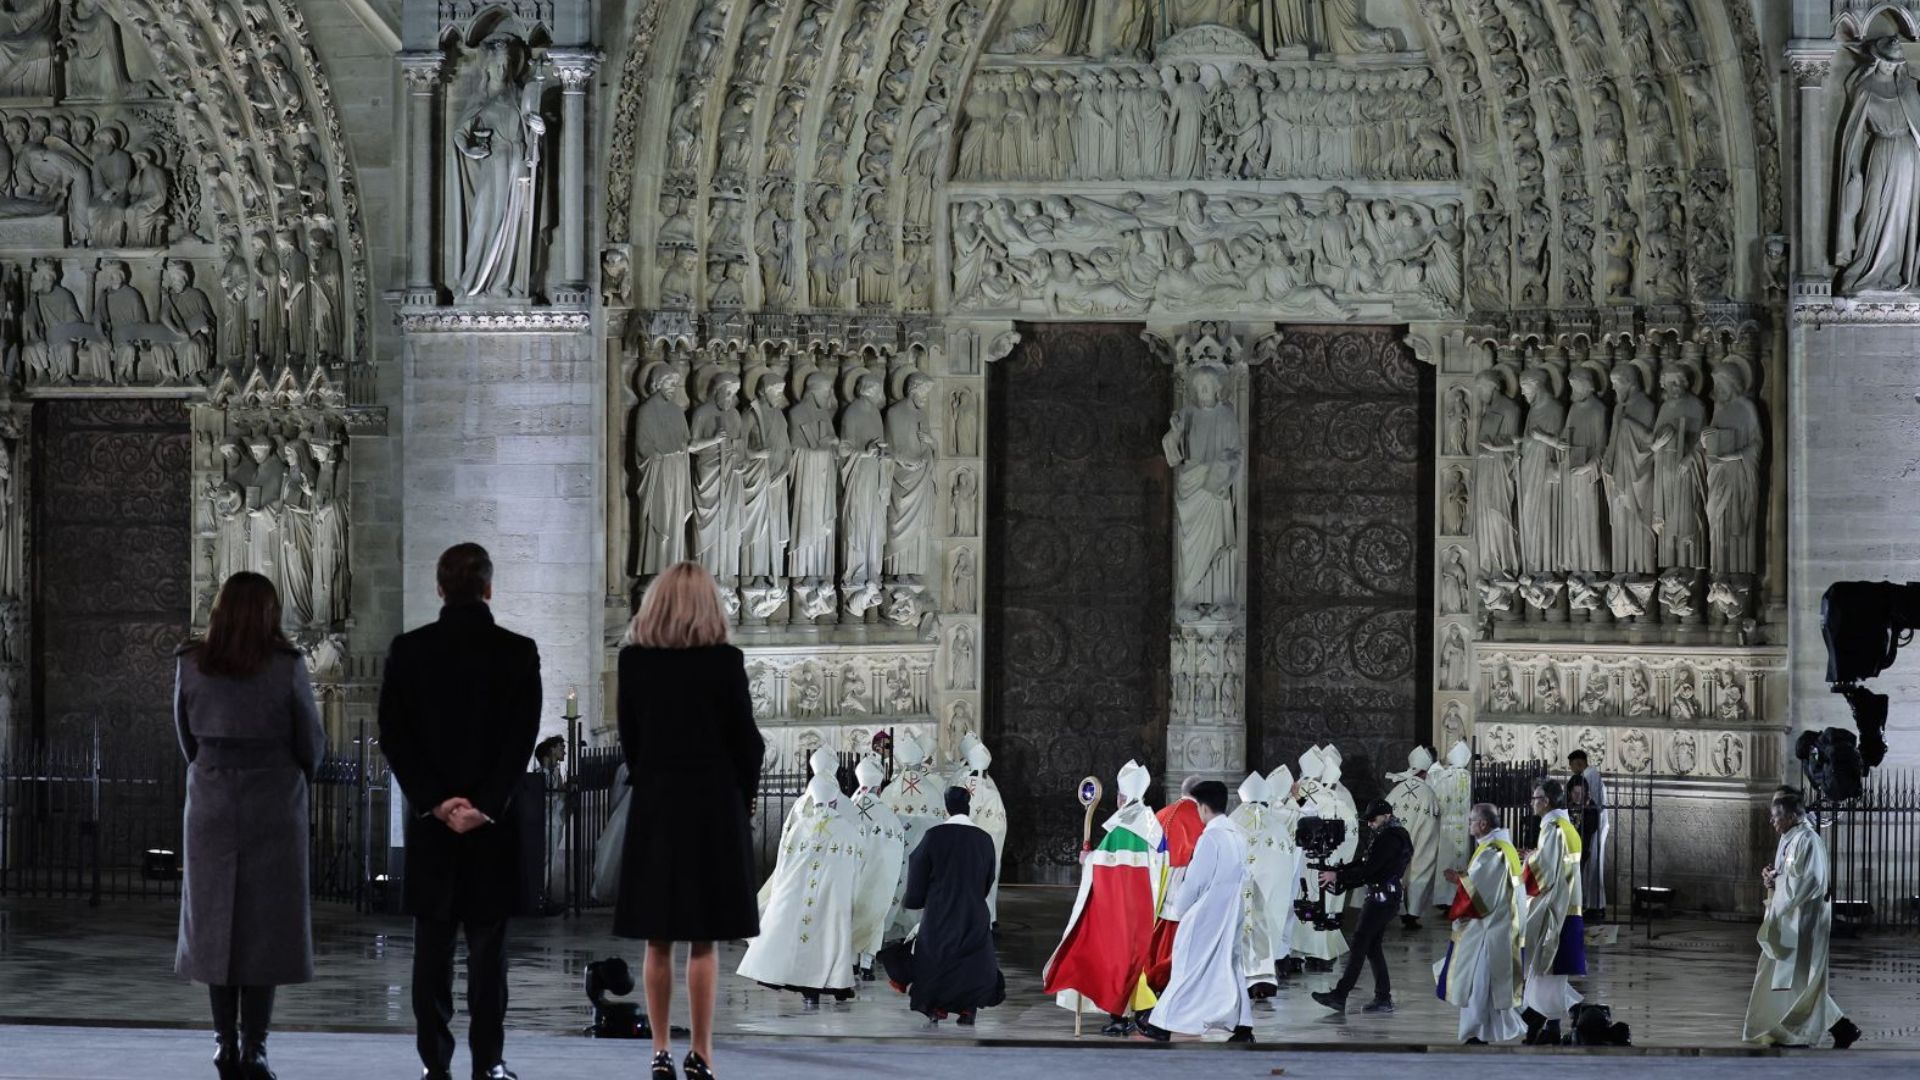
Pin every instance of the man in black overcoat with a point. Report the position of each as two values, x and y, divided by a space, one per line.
952 969
459 712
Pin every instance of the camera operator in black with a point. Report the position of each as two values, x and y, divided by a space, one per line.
1382 873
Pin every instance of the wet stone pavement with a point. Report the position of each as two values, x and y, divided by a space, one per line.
1683 986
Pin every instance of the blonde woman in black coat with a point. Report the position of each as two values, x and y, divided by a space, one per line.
693 758
244 711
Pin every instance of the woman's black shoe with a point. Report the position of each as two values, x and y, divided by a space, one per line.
696 1067
663 1066
253 1064
226 1059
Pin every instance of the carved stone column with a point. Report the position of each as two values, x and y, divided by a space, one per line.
1456 568
575 68
422 72
1811 63
1206 447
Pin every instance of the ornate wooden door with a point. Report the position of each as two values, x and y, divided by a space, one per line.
1078 579
1341 530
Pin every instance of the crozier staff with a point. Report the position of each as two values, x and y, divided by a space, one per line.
1790 1005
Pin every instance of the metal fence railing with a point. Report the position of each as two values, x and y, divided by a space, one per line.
1626 838
1873 845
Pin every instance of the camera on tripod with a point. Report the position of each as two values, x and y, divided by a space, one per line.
1319 838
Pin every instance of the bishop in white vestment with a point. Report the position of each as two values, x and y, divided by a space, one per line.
914 795
1790 1005
1452 784
1480 974
883 862
989 813
806 923
1321 948
1415 805
1208 990
1267 815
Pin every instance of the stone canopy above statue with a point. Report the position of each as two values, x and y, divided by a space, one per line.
1141 29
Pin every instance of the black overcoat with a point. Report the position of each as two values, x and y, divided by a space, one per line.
251 745
693 758
948 878
459 713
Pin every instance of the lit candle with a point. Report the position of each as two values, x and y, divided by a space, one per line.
573 703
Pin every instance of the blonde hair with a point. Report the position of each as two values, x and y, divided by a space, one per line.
680 611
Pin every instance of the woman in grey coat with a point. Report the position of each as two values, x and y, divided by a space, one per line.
244 710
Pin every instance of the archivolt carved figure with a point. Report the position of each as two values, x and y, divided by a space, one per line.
1496 445
1628 471
1732 446
663 474
910 516
1203 447
497 144
1679 473
1877 232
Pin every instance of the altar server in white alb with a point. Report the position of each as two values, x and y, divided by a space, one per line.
988 812
883 863
806 923
1320 948
1266 815
1416 807
1208 990
1790 1005
915 795
1556 934
1480 974
1452 784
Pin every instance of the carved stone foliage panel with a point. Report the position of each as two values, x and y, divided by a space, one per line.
1341 547
1078 605
111 548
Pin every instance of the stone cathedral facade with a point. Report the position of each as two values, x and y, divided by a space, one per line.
1183 379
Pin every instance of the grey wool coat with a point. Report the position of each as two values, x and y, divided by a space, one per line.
251 745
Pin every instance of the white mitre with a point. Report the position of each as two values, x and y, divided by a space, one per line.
822 789
1254 788
824 762
1132 782
907 751
1461 755
870 772
979 757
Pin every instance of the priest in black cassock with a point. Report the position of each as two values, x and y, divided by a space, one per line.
949 967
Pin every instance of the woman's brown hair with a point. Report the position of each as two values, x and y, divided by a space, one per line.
243 631
680 611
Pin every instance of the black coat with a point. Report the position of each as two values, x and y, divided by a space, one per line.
459 713
693 758
1383 872
948 878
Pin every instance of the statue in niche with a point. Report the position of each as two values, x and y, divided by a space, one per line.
1686 702
773 243
27 32
1733 699
295 318
96 60
53 334
963 417
676 280
497 142
716 432
296 533
910 516
853 690
960 582
329 522
264 493
663 474
1639 694
1683 754
616 278
1453 582
1593 699
1203 447
52 167
1459 423
1453 726
765 522
1453 660
808 697
1496 445
866 482
1583 443
1548 700
1627 469
1732 446
9 563
146 215
1503 697
1877 230
816 481
1187 110
263 297
1538 488
960 659
963 503
1453 506
123 317
112 174
1679 472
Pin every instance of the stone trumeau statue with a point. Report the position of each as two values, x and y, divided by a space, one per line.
1203 446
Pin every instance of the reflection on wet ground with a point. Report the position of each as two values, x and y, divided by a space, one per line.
1683 985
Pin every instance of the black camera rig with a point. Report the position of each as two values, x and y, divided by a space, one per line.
1319 838
1864 623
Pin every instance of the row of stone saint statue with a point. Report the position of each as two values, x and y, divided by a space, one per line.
1191 122
277 513
1634 488
835 895
125 341
774 499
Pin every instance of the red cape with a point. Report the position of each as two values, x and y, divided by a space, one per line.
1181 824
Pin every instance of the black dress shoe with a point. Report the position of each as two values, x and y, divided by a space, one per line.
1319 965
253 1064
430 1074
663 1066
1154 1033
965 1019
1241 1034
1118 1028
696 1067
1475 1042
1845 1033
226 1058
1379 1005
1410 922
1336 1002
498 1072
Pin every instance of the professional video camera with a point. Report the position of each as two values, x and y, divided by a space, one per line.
1864 623
1319 838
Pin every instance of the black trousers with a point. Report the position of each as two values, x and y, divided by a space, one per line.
486 991
1368 947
